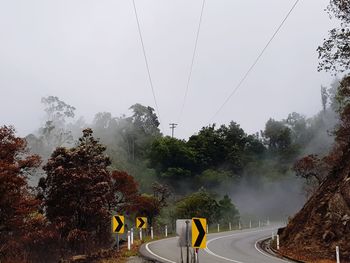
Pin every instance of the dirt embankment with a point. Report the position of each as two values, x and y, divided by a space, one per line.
324 221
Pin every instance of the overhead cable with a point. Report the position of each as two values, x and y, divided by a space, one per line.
255 61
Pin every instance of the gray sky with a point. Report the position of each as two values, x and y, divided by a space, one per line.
88 53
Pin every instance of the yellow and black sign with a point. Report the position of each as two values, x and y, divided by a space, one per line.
199 236
118 224
141 222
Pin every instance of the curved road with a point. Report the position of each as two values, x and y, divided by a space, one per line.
235 246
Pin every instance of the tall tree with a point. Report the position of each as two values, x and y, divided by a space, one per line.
228 211
77 193
334 54
17 204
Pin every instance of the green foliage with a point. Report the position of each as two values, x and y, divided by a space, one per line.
228 211
171 156
212 179
198 204
334 54
203 204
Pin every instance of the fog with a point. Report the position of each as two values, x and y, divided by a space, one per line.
88 53
274 200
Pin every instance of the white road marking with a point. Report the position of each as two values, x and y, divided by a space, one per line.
149 251
266 254
235 234
216 255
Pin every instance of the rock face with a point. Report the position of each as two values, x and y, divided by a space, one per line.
324 221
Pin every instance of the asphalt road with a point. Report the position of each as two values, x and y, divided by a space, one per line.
235 246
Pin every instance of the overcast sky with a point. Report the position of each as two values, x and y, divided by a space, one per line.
88 53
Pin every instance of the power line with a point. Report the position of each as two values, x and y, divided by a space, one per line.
147 65
256 61
192 62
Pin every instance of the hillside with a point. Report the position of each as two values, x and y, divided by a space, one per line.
324 221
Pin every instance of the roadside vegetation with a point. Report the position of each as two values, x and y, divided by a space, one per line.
313 234
60 185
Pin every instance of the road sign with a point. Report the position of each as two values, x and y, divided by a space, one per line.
118 224
141 222
184 232
199 237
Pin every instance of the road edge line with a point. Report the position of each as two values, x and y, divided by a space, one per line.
146 246
261 251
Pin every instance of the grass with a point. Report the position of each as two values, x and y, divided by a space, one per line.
123 254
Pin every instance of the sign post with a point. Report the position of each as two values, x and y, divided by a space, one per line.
141 223
118 226
187 241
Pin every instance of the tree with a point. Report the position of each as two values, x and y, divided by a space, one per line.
334 54
144 119
277 135
54 132
211 179
161 193
342 133
198 204
209 148
314 170
125 191
228 211
147 206
17 203
324 97
57 112
77 193
56 109
167 154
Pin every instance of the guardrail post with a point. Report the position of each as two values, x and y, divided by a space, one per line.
132 236
337 254
129 240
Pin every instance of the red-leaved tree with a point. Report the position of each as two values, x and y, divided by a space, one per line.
17 204
77 194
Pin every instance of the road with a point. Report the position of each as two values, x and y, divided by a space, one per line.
234 246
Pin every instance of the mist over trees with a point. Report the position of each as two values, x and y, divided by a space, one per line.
61 184
84 175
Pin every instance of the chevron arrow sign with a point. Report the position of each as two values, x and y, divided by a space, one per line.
199 236
118 224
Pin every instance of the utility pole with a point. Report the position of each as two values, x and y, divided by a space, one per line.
172 127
